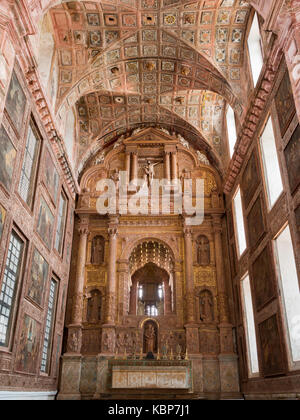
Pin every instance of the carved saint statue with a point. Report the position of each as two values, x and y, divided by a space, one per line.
206 306
94 307
97 256
149 172
203 254
150 337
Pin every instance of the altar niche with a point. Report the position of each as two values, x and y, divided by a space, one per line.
150 292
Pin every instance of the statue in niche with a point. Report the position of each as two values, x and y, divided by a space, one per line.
150 338
149 172
203 250
97 256
206 306
94 306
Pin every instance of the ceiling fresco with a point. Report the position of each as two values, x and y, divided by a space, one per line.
172 63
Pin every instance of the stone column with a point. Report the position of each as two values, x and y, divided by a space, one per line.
133 299
79 279
168 298
134 166
192 330
223 306
124 288
174 174
111 276
189 278
167 166
74 328
225 327
127 166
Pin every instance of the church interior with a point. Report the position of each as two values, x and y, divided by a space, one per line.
107 292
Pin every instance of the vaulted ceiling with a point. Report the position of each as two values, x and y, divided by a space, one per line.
170 63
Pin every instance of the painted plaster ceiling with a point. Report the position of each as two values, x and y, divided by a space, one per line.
171 63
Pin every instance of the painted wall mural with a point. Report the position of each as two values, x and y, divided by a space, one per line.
272 358
2 219
256 225
250 180
38 277
285 104
45 223
51 176
262 277
7 159
15 103
292 156
28 351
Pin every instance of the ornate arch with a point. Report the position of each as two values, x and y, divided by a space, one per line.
138 239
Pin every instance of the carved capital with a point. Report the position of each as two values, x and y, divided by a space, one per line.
83 230
187 231
112 232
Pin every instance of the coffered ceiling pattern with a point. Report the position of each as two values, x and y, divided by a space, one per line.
167 62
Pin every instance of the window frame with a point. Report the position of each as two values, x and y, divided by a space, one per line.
230 146
250 373
50 347
255 15
18 286
35 165
263 164
236 235
292 365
